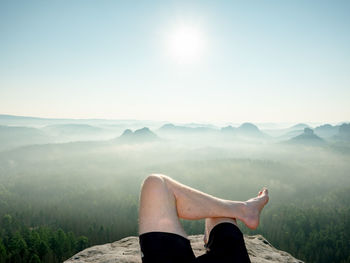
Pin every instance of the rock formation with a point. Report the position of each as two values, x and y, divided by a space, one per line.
127 250
307 138
138 136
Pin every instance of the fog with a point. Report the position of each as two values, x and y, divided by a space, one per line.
84 183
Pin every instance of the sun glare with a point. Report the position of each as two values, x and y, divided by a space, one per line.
185 44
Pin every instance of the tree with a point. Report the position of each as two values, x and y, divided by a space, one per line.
42 249
34 259
2 252
7 223
82 243
17 247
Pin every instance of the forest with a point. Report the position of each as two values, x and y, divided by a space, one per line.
59 198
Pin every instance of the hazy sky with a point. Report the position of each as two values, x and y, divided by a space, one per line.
209 61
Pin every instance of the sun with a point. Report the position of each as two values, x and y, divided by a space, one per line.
185 44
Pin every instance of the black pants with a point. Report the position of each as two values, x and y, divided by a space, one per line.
225 245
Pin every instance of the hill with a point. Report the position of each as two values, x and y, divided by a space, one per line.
11 137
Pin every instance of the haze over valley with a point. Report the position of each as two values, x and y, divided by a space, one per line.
84 176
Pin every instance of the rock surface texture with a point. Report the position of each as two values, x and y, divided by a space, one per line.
127 250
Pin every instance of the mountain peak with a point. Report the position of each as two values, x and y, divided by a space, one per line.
248 127
143 131
127 132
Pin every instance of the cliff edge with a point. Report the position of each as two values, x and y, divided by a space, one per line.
127 250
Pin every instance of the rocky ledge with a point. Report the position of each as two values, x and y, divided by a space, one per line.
127 250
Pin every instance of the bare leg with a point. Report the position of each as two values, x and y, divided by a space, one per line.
158 209
210 223
163 201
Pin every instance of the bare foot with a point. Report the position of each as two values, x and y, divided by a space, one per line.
253 207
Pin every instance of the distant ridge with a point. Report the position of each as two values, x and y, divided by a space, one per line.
199 125
38 121
343 133
326 130
299 126
288 133
71 128
228 129
175 129
15 136
248 130
18 117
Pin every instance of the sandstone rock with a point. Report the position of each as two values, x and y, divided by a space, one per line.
127 250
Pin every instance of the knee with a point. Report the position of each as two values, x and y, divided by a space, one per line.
210 223
152 181
213 221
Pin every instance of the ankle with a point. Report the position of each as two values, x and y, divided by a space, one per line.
238 209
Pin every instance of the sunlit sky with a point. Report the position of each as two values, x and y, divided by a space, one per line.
204 61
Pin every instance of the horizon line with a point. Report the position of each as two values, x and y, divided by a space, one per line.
171 122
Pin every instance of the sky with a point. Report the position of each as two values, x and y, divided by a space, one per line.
181 61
